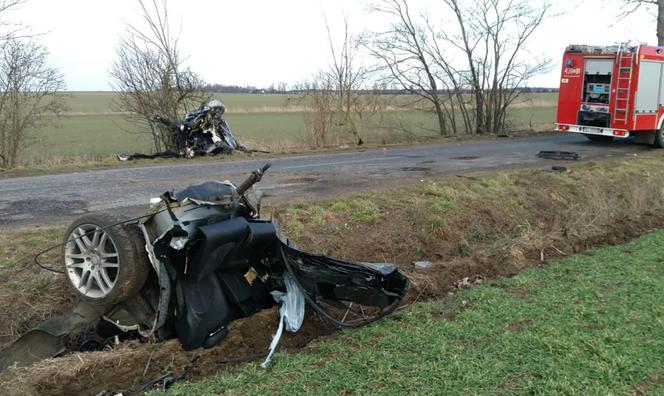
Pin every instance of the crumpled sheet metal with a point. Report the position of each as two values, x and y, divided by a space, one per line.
47 340
203 131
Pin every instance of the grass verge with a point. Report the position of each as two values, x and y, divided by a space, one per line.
590 324
498 223
28 295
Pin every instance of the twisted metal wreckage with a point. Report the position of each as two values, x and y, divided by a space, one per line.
202 132
201 258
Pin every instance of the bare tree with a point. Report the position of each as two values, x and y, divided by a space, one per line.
471 70
333 98
347 78
150 76
402 52
490 36
9 28
317 96
633 5
29 90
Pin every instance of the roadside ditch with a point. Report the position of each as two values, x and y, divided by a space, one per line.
471 229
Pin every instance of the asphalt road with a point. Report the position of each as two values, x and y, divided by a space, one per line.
57 199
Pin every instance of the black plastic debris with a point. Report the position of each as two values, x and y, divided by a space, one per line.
559 155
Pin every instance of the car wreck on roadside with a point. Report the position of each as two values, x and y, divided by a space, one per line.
202 131
200 259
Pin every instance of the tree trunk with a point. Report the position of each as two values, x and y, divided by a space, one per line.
156 139
442 127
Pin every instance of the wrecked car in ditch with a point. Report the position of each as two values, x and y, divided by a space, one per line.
202 131
201 258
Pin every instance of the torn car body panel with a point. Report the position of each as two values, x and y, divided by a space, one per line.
49 338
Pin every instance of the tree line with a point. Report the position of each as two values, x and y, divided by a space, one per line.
464 61
272 89
466 65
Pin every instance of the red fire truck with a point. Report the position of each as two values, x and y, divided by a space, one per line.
613 92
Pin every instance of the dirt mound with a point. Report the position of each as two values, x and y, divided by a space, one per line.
494 225
133 363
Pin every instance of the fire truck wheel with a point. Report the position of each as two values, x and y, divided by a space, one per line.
599 139
659 138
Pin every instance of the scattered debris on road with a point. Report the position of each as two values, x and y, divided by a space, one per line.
559 155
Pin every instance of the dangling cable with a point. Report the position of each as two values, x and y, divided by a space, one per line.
48 249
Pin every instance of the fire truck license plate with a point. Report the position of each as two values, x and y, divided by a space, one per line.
592 130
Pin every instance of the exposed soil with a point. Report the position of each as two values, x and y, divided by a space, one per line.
643 387
472 230
133 363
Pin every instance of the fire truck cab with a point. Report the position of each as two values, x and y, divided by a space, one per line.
609 92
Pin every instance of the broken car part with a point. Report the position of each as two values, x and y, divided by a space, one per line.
202 132
200 259
559 155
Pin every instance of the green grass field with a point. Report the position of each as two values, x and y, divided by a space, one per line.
91 128
590 324
101 102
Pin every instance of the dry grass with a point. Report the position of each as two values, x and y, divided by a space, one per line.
28 294
503 219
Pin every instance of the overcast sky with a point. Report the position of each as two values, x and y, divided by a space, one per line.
260 42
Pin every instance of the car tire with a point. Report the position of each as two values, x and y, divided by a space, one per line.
104 263
599 138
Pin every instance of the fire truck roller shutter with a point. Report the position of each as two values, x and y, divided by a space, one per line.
658 141
599 66
661 86
648 89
